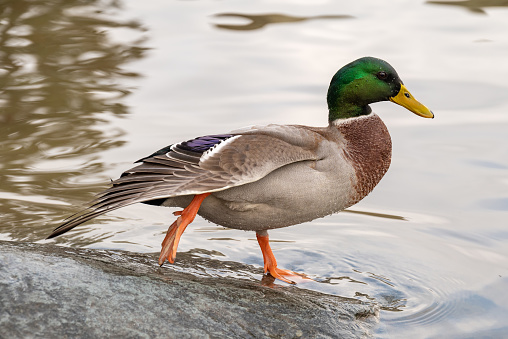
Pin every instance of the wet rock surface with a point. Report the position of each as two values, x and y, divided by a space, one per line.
52 291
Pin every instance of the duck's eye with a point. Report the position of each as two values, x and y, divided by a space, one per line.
382 75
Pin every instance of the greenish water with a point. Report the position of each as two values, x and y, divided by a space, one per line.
88 87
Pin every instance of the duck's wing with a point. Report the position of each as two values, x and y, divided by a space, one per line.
204 164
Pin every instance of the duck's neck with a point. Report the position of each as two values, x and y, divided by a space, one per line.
348 111
356 121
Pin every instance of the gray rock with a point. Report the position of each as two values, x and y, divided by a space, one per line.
51 291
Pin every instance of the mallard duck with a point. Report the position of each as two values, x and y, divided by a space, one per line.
261 178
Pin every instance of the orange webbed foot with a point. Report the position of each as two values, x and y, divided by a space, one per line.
270 264
175 231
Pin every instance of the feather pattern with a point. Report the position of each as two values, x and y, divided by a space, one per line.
204 164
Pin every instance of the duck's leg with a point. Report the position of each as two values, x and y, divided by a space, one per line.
270 262
175 231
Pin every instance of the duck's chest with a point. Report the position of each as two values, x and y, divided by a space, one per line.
368 148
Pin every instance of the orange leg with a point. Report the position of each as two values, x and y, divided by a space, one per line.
271 263
175 231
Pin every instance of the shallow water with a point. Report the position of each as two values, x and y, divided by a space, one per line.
87 90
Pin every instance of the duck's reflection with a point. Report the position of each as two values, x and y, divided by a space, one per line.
377 215
60 78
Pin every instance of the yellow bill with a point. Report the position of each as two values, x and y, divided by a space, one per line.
405 99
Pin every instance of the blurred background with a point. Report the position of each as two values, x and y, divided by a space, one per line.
87 87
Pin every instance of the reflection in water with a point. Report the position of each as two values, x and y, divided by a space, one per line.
377 215
60 74
261 20
476 6
337 280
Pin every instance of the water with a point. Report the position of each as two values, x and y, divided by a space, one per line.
88 87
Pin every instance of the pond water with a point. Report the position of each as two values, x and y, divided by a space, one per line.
88 87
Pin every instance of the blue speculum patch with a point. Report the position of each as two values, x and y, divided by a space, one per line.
202 144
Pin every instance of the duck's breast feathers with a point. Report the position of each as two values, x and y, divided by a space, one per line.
368 148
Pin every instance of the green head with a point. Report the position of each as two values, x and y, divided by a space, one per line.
365 81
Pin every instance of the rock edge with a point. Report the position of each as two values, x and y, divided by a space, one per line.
53 291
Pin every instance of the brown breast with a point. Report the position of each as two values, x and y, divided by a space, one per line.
369 149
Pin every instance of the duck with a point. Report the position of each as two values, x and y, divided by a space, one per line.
266 177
